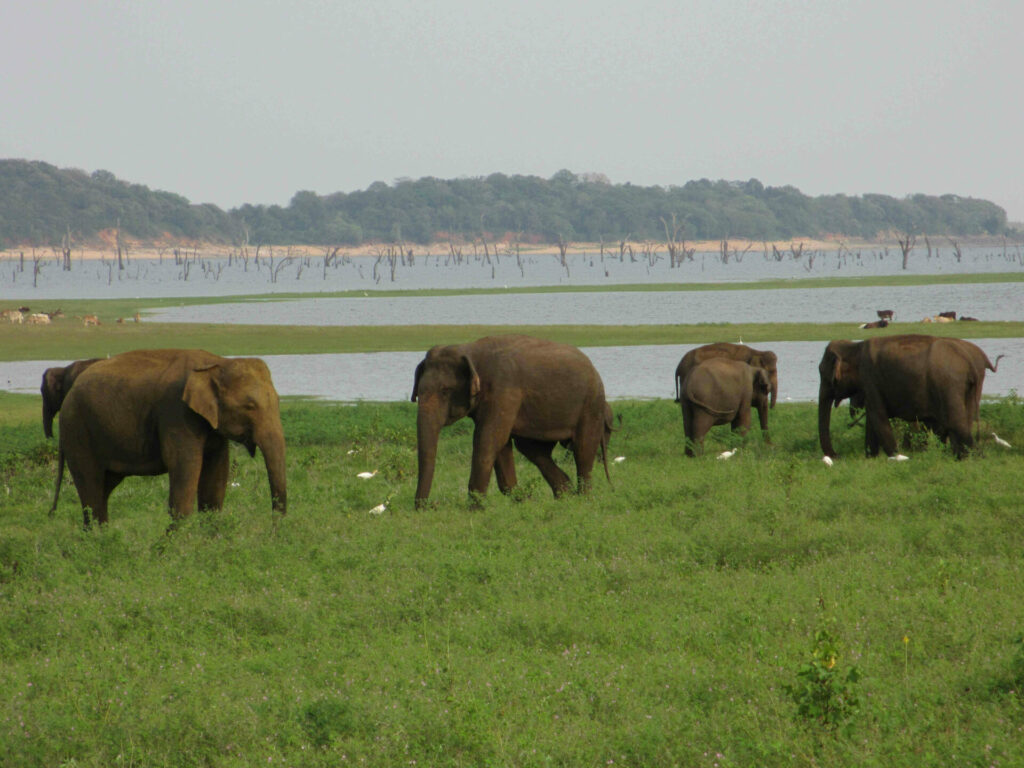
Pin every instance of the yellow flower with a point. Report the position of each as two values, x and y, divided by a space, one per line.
831 662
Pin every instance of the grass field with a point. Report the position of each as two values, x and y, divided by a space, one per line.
685 615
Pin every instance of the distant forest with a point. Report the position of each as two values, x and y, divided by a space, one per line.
40 203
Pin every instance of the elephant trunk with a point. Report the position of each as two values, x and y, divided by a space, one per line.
775 390
428 430
49 412
271 445
825 420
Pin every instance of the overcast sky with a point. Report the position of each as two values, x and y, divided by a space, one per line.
234 102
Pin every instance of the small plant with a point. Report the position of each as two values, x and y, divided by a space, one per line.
823 694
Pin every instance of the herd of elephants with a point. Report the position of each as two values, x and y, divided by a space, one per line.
150 412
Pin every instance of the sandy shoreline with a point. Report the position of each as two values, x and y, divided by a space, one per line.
136 250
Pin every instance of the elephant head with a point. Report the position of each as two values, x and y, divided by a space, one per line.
237 399
445 387
768 361
56 383
762 386
839 370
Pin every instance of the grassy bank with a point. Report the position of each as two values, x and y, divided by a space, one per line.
656 622
69 340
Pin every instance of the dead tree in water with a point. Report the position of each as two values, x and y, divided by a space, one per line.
956 249
65 249
563 246
676 249
120 246
906 242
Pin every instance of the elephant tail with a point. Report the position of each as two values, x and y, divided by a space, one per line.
60 477
713 411
604 458
994 367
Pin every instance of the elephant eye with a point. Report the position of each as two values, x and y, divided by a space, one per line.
250 405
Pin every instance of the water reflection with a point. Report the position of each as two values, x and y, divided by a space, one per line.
628 372
986 301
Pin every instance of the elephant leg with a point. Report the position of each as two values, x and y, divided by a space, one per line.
183 477
762 416
489 439
688 428
539 453
213 477
741 423
505 469
870 440
702 424
90 483
880 433
584 451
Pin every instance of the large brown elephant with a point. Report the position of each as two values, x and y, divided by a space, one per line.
927 379
516 389
722 391
54 388
755 357
149 412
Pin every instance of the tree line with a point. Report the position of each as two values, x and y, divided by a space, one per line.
41 204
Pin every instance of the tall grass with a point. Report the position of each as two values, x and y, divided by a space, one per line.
657 621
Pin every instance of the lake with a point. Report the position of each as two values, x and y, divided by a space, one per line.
985 301
628 372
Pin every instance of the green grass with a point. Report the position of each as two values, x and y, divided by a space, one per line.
654 622
68 340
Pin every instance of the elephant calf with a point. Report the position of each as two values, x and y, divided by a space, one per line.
721 391
173 411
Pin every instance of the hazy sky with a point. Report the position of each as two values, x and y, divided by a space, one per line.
233 102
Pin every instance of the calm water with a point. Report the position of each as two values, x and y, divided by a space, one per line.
214 277
628 372
988 301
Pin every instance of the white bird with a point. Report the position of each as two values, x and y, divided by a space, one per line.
619 459
1000 441
899 457
827 460
379 509
367 475
728 454
354 450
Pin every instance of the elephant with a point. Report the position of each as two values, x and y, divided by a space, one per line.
54 388
755 357
932 380
150 412
516 389
56 383
721 391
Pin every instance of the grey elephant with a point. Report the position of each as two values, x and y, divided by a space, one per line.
755 357
173 411
918 378
517 390
722 391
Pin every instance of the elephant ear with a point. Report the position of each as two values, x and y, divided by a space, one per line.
474 379
201 394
